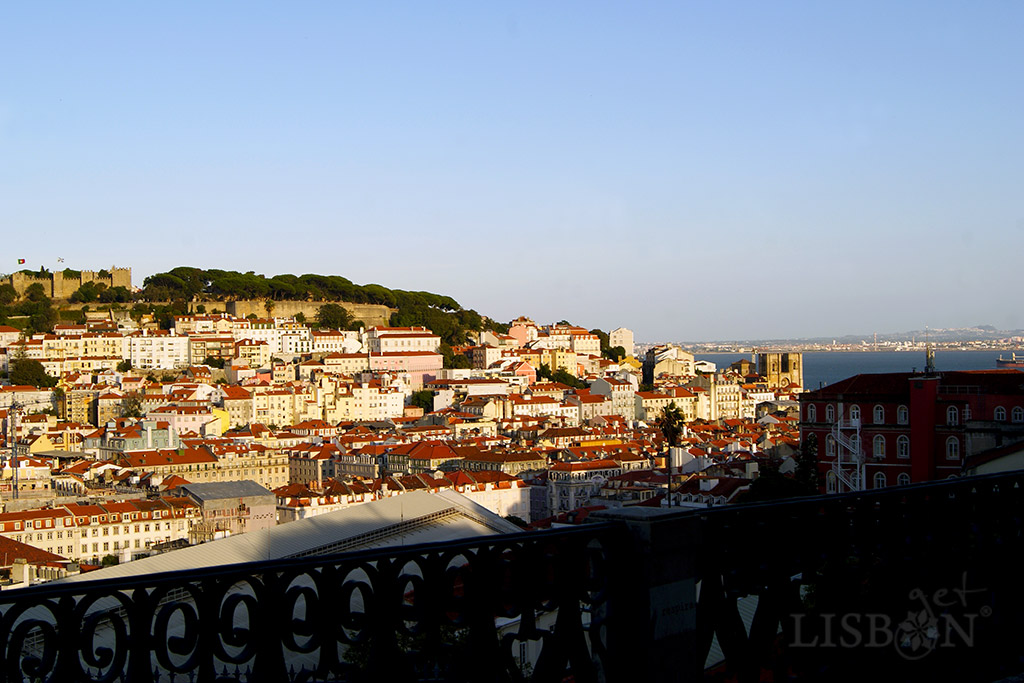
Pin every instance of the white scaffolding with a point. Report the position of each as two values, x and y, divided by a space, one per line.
848 466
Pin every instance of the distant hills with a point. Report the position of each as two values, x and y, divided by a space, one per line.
979 333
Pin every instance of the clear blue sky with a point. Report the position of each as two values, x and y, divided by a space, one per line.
691 170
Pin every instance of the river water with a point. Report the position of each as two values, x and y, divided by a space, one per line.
822 368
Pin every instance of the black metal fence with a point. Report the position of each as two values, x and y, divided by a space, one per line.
904 583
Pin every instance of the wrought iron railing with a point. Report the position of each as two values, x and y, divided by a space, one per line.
452 611
904 583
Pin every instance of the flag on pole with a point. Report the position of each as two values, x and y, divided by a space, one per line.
21 261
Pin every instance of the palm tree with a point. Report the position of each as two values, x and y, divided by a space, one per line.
671 424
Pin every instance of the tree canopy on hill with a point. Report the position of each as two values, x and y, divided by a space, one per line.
190 283
440 313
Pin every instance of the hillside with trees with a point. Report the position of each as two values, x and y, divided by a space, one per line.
442 314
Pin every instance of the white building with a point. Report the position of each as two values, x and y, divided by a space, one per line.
623 337
399 339
160 349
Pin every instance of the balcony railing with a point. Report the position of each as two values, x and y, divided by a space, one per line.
907 583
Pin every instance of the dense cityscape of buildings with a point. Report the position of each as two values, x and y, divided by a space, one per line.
152 440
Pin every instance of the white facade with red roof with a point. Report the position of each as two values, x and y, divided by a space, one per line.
87 533
158 349
398 339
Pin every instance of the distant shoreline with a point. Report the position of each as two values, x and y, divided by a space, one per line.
701 349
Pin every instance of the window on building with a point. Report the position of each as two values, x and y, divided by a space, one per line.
830 413
903 479
812 413
1018 414
879 416
830 482
952 448
902 415
903 446
880 480
952 416
878 446
854 413
999 415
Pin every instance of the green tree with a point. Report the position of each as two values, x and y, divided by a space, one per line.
131 405
88 292
115 295
43 319
35 292
269 306
671 424
29 372
214 362
615 353
124 366
300 317
450 359
561 375
109 561
333 317
806 473
423 399
7 294
58 400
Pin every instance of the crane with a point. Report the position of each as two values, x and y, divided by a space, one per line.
14 412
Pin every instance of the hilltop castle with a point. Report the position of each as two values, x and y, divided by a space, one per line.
63 283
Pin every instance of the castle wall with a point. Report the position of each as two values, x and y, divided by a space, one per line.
371 314
22 281
58 286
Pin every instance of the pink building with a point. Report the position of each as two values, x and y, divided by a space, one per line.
422 366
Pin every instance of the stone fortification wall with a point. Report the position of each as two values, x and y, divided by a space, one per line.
22 281
371 314
59 286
